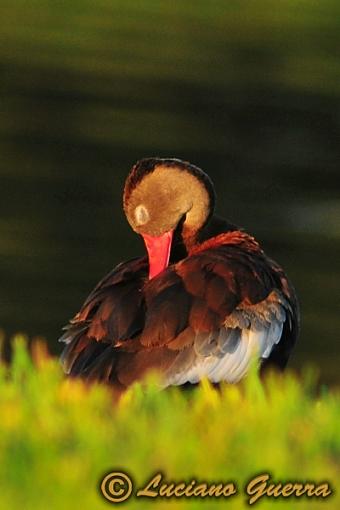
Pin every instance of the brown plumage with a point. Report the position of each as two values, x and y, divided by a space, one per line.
205 301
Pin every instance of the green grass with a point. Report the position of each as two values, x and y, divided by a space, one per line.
58 437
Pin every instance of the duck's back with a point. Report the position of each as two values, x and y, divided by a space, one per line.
204 316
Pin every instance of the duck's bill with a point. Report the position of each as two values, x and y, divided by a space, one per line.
158 252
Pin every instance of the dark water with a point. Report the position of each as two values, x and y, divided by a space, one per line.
249 94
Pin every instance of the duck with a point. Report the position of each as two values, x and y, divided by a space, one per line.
203 302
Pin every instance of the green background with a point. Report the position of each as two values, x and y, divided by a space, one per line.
247 90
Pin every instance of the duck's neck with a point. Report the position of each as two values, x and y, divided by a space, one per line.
215 227
186 239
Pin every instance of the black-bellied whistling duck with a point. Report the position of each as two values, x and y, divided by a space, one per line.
204 301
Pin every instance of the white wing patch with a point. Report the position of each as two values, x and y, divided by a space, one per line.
226 355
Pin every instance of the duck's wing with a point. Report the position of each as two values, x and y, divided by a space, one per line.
203 317
208 315
112 313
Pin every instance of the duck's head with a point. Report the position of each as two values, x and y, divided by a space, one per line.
160 195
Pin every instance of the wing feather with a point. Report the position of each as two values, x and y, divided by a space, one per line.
205 316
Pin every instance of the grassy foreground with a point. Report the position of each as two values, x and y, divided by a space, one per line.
59 438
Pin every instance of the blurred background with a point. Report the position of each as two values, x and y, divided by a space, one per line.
249 91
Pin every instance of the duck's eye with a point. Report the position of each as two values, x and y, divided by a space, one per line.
142 215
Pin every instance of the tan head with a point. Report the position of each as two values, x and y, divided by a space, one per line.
158 195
